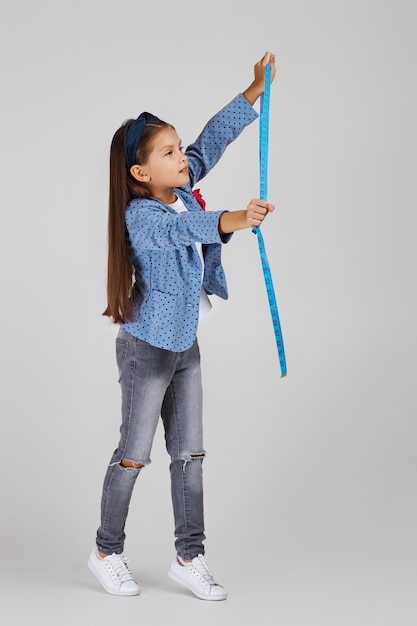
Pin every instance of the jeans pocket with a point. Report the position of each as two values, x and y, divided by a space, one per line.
122 349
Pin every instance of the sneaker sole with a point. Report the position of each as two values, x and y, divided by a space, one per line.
172 574
113 592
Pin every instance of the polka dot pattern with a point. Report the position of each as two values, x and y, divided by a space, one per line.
167 264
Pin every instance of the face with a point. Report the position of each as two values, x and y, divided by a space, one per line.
167 165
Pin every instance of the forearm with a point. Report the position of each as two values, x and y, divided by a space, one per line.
231 221
218 133
256 87
252 216
253 92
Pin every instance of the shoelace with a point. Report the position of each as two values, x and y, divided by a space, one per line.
200 566
118 566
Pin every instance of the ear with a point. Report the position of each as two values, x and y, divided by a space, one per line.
140 173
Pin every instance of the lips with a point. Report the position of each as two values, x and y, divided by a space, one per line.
184 170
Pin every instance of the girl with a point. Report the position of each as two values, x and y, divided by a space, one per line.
164 258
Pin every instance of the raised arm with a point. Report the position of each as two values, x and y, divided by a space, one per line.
256 88
257 209
227 124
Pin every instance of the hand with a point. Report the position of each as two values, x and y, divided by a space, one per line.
256 88
256 212
252 216
259 68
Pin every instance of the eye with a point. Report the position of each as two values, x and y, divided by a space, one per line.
182 148
168 152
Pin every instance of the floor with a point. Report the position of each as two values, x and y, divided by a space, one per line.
62 591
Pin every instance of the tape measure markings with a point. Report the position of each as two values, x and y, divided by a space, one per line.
263 184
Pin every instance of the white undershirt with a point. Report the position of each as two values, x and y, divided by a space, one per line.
205 304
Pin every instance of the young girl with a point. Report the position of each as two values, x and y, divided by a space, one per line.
164 258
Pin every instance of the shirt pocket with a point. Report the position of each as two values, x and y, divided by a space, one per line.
162 307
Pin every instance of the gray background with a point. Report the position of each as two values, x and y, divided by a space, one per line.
310 480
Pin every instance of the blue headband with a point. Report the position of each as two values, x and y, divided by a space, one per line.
134 135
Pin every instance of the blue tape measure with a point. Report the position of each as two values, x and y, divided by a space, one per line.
263 184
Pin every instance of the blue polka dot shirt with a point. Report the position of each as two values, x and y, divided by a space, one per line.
166 291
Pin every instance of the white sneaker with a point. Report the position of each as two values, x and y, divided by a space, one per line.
197 577
114 574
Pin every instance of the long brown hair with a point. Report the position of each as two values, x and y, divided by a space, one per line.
122 189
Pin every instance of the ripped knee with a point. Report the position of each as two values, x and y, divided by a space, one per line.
193 456
131 464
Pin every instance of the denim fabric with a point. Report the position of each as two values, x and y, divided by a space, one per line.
157 383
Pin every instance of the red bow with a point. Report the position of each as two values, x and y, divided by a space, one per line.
197 195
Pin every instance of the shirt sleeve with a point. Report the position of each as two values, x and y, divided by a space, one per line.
217 134
151 227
